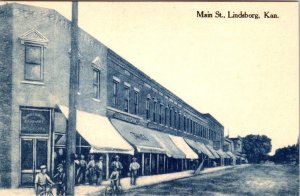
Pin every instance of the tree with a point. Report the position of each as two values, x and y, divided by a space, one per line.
287 155
256 148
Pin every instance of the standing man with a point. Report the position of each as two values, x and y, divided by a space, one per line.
41 180
133 169
82 170
91 170
99 170
118 165
60 178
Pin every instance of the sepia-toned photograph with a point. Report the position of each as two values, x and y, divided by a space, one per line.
149 98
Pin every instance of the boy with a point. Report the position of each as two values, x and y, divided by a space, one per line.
114 177
41 180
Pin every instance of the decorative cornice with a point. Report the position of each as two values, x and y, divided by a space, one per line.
33 36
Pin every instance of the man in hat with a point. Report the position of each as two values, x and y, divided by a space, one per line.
60 178
41 180
99 170
118 165
133 169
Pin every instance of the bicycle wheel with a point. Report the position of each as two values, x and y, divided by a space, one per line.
119 191
49 193
43 193
108 190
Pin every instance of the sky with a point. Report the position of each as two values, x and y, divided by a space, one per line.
242 71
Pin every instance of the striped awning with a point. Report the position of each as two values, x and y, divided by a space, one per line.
184 147
199 147
216 155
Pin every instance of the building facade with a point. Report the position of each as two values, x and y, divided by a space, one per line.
121 110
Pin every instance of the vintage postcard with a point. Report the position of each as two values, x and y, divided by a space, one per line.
149 98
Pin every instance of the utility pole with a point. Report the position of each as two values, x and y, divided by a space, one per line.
71 134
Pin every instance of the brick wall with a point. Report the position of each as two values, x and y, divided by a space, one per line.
5 95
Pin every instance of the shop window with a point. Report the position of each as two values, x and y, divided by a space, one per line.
34 62
96 83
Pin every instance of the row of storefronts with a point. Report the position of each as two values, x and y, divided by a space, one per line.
121 110
156 151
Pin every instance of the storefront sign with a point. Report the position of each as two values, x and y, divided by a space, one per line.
35 121
154 126
139 136
125 118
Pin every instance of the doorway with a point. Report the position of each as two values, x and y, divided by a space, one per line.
34 153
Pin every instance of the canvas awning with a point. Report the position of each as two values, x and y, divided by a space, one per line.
169 146
216 155
206 151
138 136
199 147
99 133
231 154
222 154
194 145
184 147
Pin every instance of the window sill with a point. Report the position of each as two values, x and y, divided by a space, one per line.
33 82
97 100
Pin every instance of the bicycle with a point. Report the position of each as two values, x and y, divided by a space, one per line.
111 189
47 191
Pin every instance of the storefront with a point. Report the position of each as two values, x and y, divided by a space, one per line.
144 143
94 136
35 141
217 160
173 154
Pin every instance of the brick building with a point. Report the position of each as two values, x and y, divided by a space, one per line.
121 110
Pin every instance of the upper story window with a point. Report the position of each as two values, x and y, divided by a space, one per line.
96 83
166 116
126 99
170 117
175 119
160 113
179 120
115 94
34 68
184 123
136 102
34 43
148 108
154 110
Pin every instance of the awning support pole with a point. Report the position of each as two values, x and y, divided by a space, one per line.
143 163
164 163
107 166
157 170
150 163
186 164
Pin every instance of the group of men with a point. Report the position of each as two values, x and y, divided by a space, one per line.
85 173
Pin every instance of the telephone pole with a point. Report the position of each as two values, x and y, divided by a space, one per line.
71 134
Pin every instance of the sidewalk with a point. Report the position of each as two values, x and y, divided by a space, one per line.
141 181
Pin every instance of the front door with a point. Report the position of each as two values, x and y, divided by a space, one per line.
34 153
